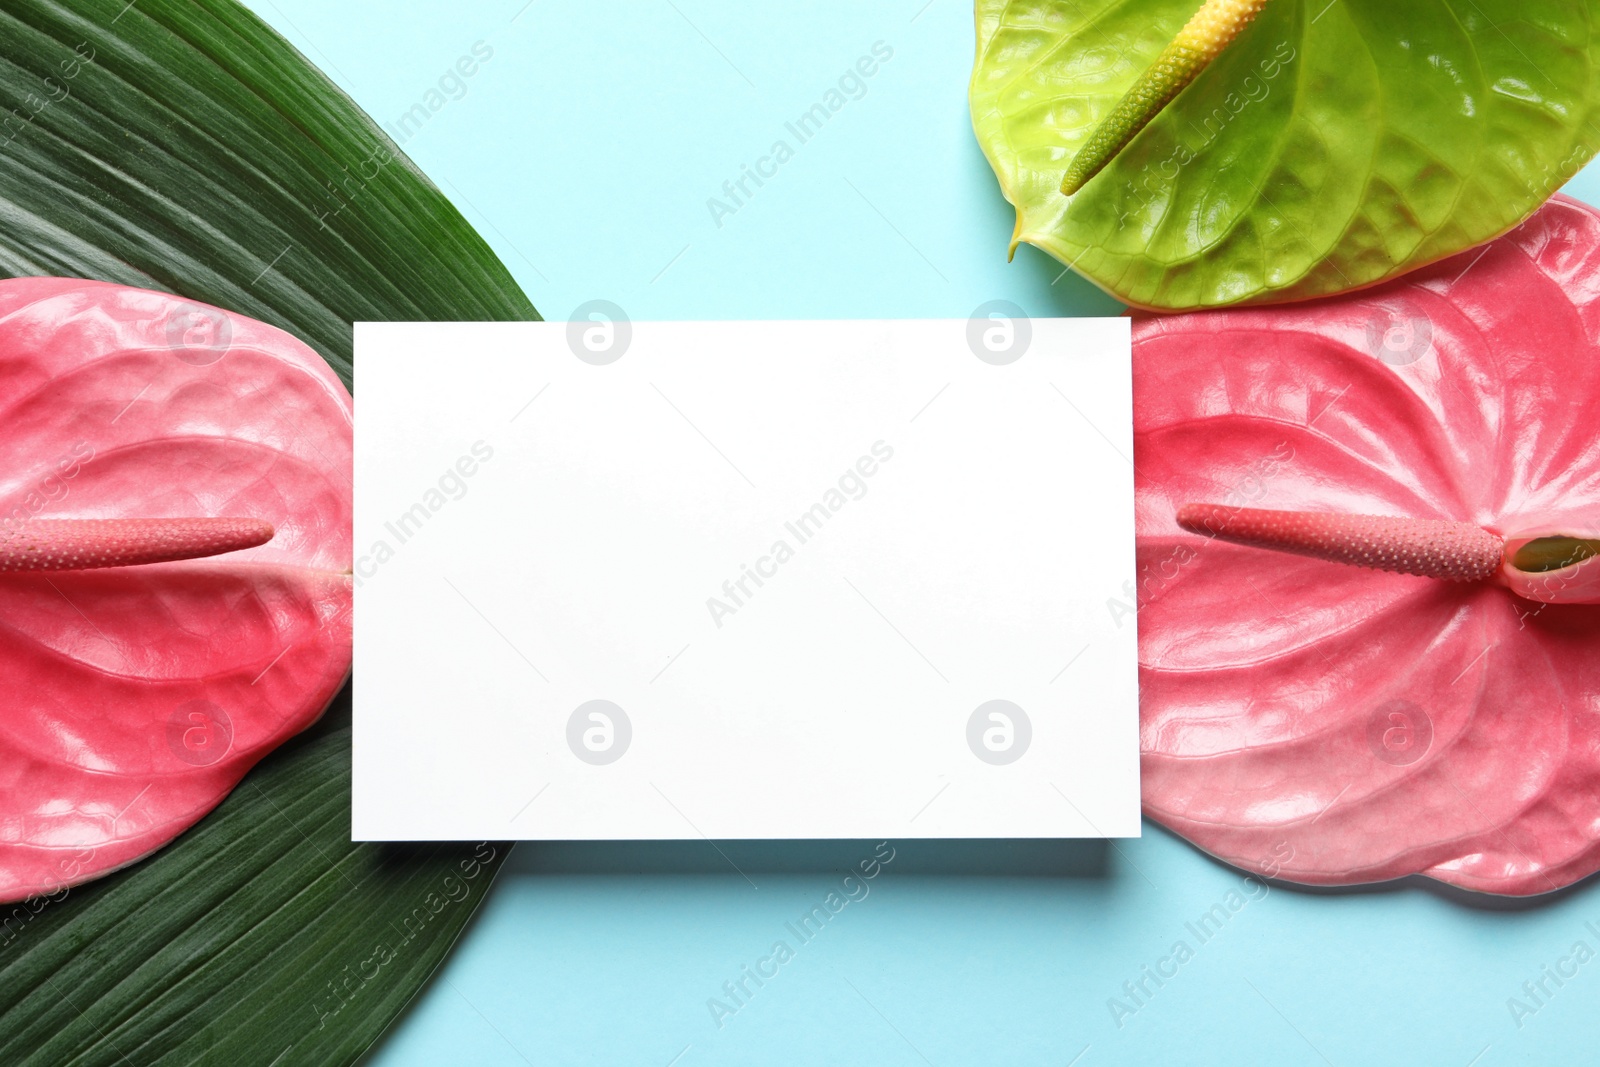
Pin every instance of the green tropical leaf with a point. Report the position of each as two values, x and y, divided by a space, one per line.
263 935
183 145
188 147
1332 145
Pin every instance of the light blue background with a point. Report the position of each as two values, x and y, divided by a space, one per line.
585 151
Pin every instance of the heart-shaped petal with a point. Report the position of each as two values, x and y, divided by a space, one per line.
137 697
1331 724
1320 147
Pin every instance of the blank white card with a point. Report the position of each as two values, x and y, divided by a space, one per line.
745 580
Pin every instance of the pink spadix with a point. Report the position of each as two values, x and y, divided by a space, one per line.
1552 568
1337 723
138 695
87 544
1431 548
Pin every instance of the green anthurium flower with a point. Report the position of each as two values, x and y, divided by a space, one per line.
1257 151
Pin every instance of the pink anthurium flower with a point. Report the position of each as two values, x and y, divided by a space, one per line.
175 523
1369 572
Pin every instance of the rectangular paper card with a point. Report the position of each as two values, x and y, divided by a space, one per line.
745 580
